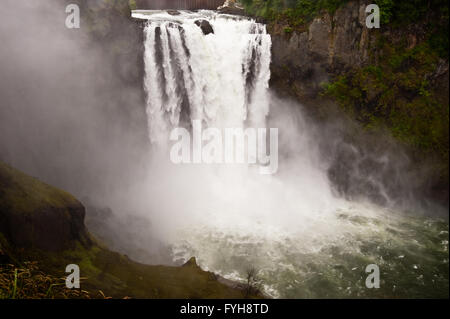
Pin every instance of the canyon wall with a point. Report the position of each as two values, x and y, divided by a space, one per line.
304 60
390 80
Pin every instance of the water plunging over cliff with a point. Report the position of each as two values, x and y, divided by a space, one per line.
220 78
306 241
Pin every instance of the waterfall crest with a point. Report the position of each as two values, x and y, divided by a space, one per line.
221 78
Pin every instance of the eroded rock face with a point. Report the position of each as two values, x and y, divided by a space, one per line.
319 36
205 26
330 45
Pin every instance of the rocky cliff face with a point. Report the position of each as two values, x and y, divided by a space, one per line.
390 78
304 60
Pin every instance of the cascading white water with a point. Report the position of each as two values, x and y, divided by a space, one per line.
221 78
306 241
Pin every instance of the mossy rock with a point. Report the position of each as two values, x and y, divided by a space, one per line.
36 215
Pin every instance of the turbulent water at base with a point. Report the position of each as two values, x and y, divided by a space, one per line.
305 241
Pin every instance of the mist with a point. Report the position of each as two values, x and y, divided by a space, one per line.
69 117
68 114
65 115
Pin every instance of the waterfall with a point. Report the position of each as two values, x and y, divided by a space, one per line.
215 69
220 78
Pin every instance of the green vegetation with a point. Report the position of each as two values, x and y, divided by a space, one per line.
400 89
408 11
433 13
288 30
398 94
295 13
132 4
299 12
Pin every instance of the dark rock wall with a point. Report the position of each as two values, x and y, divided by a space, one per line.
303 61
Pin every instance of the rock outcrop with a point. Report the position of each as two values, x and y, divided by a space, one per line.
304 60
36 215
205 26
